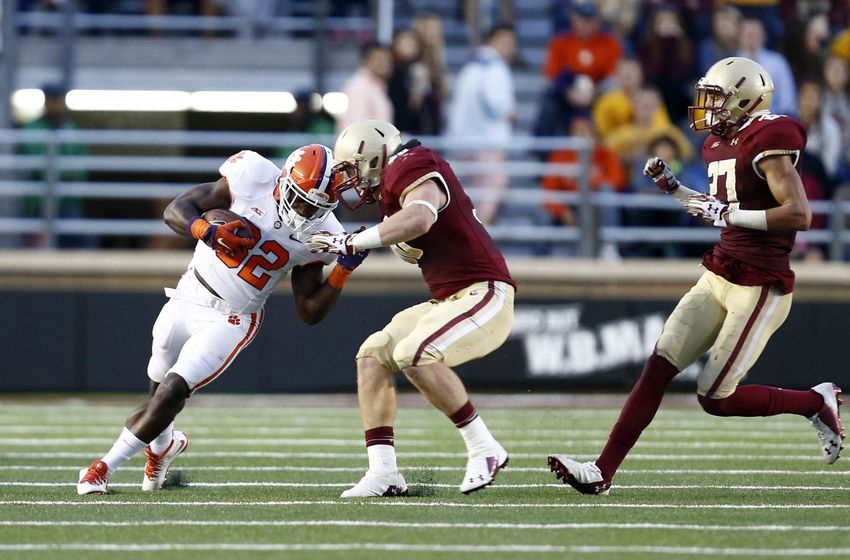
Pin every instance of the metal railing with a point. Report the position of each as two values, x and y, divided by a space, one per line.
138 156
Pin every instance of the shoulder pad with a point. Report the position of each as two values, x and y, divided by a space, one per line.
249 174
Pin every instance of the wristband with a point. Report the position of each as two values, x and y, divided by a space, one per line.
338 276
752 219
189 225
367 239
199 228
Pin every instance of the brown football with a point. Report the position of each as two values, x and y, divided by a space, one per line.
221 216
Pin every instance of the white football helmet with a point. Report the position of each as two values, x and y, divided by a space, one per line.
307 187
362 150
731 90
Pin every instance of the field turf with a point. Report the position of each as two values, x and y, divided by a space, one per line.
262 476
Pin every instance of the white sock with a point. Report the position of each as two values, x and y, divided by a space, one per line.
162 441
477 437
122 450
382 458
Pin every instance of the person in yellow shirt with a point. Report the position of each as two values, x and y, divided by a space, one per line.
615 109
630 140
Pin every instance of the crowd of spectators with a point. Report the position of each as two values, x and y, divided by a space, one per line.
642 59
619 73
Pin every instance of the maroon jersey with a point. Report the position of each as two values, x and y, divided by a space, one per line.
750 257
457 251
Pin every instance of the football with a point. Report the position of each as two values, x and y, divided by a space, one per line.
221 216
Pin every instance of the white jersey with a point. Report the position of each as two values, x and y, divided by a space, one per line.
245 285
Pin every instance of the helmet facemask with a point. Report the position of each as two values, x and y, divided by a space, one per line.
709 111
306 188
300 210
362 176
362 150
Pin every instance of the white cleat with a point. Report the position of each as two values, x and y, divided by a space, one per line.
584 477
93 479
156 469
827 422
482 468
378 485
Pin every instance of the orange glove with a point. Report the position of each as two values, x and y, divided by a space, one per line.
223 238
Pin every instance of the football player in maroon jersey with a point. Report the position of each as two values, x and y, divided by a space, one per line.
756 196
430 222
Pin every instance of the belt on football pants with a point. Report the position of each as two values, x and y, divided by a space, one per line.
204 284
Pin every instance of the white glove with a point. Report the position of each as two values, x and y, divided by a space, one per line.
709 208
326 242
664 178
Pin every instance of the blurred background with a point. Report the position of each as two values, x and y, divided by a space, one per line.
546 109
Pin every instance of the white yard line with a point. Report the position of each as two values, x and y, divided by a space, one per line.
404 502
233 484
779 436
393 547
813 457
215 442
430 525
413 468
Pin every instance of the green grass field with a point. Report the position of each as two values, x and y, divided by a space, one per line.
262 477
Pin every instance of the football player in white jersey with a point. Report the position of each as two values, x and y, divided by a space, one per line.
217 308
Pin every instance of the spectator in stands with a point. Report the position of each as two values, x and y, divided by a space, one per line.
585 48
409 83
630 141
616 107
724 41
669 149
605 174
667 55
56 118
753 40
429 27
620 17
804 46
478 15
569 97
309 117
483 111
366 89
836 102
797 12
767 12
824 132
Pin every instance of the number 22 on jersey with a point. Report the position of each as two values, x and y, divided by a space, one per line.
248 272
723 168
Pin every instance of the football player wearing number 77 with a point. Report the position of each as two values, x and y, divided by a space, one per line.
217 308
430 222
757 197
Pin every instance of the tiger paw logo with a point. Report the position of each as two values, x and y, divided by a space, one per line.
234 320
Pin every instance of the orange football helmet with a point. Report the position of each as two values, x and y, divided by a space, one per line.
307 187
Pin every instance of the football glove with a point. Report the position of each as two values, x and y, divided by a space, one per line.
709 208
350 262
221 239
336 243
661 174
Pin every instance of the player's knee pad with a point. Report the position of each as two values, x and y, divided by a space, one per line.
664 349
414 353
715 407
378 346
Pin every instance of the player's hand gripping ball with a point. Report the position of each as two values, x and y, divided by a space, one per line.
224 231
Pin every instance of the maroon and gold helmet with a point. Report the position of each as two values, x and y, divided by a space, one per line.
731 90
